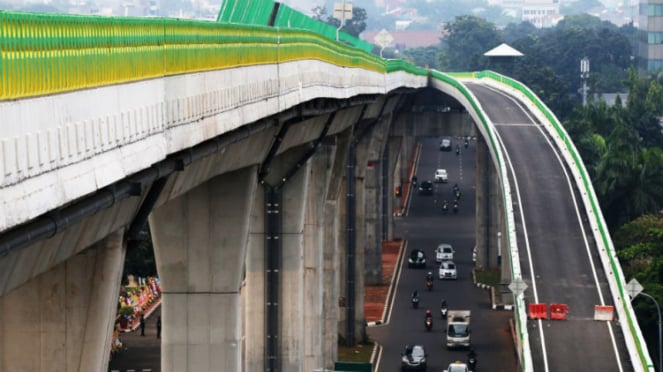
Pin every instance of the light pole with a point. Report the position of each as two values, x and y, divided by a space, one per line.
660 339
584 74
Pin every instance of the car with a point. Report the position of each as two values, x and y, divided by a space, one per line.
426 188
414 358
417 258
457 366
447 270
441 175
445 145
444 252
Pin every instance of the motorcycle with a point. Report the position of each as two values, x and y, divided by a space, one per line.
429 323
444 310
455 208
472 362
414 181
457 194
429 284
445 207
415 302
466 143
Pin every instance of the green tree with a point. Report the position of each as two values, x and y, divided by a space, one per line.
425 56
139 260
468 38
639 246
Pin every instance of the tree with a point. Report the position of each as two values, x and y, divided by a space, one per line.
425 56
468 38
639 246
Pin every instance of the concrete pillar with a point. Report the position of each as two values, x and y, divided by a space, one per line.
292 304
315 256
369 239
200 241
489 210
254 297
62 320
396 150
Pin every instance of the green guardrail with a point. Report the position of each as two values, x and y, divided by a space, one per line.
50 53
596 209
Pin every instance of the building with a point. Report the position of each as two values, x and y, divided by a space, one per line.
650 43
541 13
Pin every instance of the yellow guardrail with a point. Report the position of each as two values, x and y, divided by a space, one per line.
44 54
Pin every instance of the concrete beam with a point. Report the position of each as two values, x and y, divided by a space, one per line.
62 320
200 244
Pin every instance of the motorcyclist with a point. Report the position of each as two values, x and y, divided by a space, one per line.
443 309
457 149
429 276
414 180
472 359
456 188
455 206
445 205
429 320
415 299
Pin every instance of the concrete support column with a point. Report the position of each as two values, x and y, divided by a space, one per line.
369 238
292 303
62 320
254 291
333 252
489 210
315 255
396 150
200 241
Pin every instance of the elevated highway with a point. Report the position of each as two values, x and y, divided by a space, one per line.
265 161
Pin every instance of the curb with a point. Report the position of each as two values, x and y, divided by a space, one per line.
487 287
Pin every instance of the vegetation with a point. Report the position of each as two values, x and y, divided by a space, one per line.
361 352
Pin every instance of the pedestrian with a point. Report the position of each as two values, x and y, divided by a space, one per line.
142 325
159 327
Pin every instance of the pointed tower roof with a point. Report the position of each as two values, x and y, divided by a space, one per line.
503 50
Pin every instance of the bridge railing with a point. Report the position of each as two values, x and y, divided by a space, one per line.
633 335
487 129
43 54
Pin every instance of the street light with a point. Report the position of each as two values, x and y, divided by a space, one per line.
634 288
584 74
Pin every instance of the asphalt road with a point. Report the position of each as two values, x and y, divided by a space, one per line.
559 259
424 227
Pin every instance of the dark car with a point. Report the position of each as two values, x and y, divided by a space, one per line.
414 358
426 188
417 258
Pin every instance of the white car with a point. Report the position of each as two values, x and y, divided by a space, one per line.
457 366
441 176
445 145
444 252
447 270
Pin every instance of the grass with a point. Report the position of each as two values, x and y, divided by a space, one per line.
359 353
491 278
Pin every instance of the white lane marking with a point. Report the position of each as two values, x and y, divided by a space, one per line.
582 228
